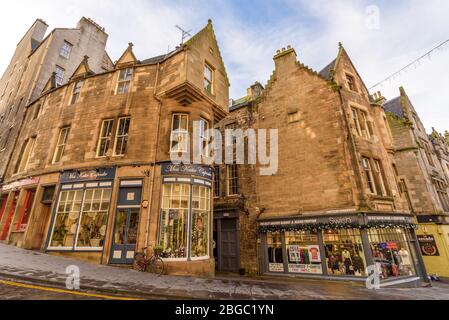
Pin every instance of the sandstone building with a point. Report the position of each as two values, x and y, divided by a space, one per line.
423 167
335 206
91 177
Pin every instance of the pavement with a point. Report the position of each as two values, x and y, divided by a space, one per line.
22 266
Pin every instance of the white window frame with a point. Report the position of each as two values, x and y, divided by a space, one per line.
127 80
211 82
380 177
179 133
26 156
117 136
356 120
59 76
76 92
101 137
371 182
229 178
204 126
61 144
66 50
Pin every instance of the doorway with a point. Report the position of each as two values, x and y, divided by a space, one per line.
12 209
125 236
226 239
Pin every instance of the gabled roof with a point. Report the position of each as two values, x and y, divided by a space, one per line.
83 69
51 83
328 71
209 28
127 57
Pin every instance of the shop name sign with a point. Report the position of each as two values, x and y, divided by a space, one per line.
99 174
19 184
390 219
333 221
186 169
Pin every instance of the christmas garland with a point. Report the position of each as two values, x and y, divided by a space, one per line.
323 226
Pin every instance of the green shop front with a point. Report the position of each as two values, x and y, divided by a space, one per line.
342 246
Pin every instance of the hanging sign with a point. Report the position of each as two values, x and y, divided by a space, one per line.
428 246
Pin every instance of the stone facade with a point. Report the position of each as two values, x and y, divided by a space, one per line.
158 88
33 63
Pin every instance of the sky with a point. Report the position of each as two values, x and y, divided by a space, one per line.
381 37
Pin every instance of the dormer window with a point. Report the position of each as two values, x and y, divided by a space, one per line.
76 91
124 81
209 79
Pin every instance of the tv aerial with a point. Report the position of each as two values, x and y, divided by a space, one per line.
185 34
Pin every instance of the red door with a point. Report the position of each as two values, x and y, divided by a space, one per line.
5 230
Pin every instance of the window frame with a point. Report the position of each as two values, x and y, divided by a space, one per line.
369 176
203 139
351 83
59 75
380 177
26 154
210 82
232 180
217 182
127 80
108 138
184 132
76 92
66 131
65 53
121 136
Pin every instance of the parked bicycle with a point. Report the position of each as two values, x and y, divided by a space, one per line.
154 264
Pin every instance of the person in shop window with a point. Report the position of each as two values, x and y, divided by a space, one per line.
347 261
359 266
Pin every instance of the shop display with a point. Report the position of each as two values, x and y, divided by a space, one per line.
274 252
391 253
344 253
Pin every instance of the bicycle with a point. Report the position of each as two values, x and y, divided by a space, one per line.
154 264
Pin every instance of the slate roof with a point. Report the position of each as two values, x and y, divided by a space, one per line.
155 59
242 102
34 45
394 106
327 71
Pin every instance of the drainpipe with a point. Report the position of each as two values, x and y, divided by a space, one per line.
147 231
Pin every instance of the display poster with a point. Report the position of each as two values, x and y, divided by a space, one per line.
305 268
294 253
314 253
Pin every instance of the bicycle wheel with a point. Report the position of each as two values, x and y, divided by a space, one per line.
157 266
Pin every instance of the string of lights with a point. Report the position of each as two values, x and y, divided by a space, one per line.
414 63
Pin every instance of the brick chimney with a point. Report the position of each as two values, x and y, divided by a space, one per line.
255 90
285 59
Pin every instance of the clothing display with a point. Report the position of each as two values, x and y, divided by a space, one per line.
405 257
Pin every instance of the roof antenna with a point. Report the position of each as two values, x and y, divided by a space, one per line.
185 34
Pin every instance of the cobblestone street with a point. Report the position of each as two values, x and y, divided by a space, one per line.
49 270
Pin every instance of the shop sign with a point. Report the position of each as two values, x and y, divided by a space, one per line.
191 170
332 221
428 246
305 268
276 267
390 219
314 253
20 184
88 175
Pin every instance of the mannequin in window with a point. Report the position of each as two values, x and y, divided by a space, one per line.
405 257
347 260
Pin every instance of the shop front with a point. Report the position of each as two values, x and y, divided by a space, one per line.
80 219
185 221
433 239
341 247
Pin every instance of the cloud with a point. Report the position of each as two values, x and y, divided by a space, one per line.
249 32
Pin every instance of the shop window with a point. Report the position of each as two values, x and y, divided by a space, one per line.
65 50
344 253
60 146
391 253
203 139
124 81
200 222
26 210
217 189
179 134
175 216
105 138
94 218
76 91
369 175
121 137
274 252
25 155
59 76
233 180
81 220
208 79
303 252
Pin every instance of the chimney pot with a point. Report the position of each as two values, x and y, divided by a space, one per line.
283 49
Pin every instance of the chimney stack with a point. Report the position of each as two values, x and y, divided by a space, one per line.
285 58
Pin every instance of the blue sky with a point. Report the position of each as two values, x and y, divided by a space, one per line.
249 32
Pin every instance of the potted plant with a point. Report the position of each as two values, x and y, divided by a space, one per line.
158 250
58 236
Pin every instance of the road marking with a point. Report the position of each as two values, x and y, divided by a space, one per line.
77 293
